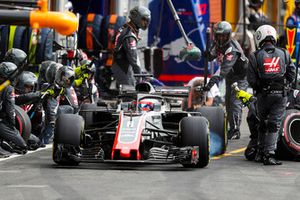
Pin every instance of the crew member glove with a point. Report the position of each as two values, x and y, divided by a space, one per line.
85 75
53 92
49 92
244 96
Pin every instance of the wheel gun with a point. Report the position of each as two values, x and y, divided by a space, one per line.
242 95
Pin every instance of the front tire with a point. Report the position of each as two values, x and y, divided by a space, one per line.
194 132
67 139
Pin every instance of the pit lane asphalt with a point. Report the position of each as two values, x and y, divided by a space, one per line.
35 176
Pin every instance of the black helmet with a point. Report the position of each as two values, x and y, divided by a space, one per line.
89 65
222 33
139 13
51 72
26 79
256 3
7 69
65 76
43 69
16 56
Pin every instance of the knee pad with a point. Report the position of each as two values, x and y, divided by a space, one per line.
272 127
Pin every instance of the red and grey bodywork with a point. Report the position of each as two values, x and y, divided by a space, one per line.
142 127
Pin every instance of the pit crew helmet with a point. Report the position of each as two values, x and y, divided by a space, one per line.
256 3
7 69
65 76
43 69
222 33
265 33
139 13
26 79
52 71
16 56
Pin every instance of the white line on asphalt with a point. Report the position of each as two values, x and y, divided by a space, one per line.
48 146
27 186
10 171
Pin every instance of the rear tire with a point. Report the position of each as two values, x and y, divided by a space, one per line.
216 118
67 139
23 123
194 132
288 146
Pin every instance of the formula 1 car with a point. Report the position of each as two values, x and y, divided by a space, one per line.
143 127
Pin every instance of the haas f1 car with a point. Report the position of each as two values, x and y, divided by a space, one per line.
143 127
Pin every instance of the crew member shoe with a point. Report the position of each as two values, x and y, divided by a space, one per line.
258 157
233 135
269 159
3 153
250 153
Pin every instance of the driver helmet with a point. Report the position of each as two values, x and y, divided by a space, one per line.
65 76
147 104
265 33
16 56
222 33
139 14
26 82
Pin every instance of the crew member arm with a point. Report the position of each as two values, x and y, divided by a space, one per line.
130 46
226 69
252 72
28 98
290 69
9 106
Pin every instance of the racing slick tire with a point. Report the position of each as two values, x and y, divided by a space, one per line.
216 118
288 146
67 138
87 114
194 132
23 123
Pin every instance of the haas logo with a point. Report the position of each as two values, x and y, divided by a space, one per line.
271 65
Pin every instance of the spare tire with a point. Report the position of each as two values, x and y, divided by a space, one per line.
23 123
89 37
110 25
4 35
289 138
217 127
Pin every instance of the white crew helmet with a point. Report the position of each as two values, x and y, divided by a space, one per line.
263 33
